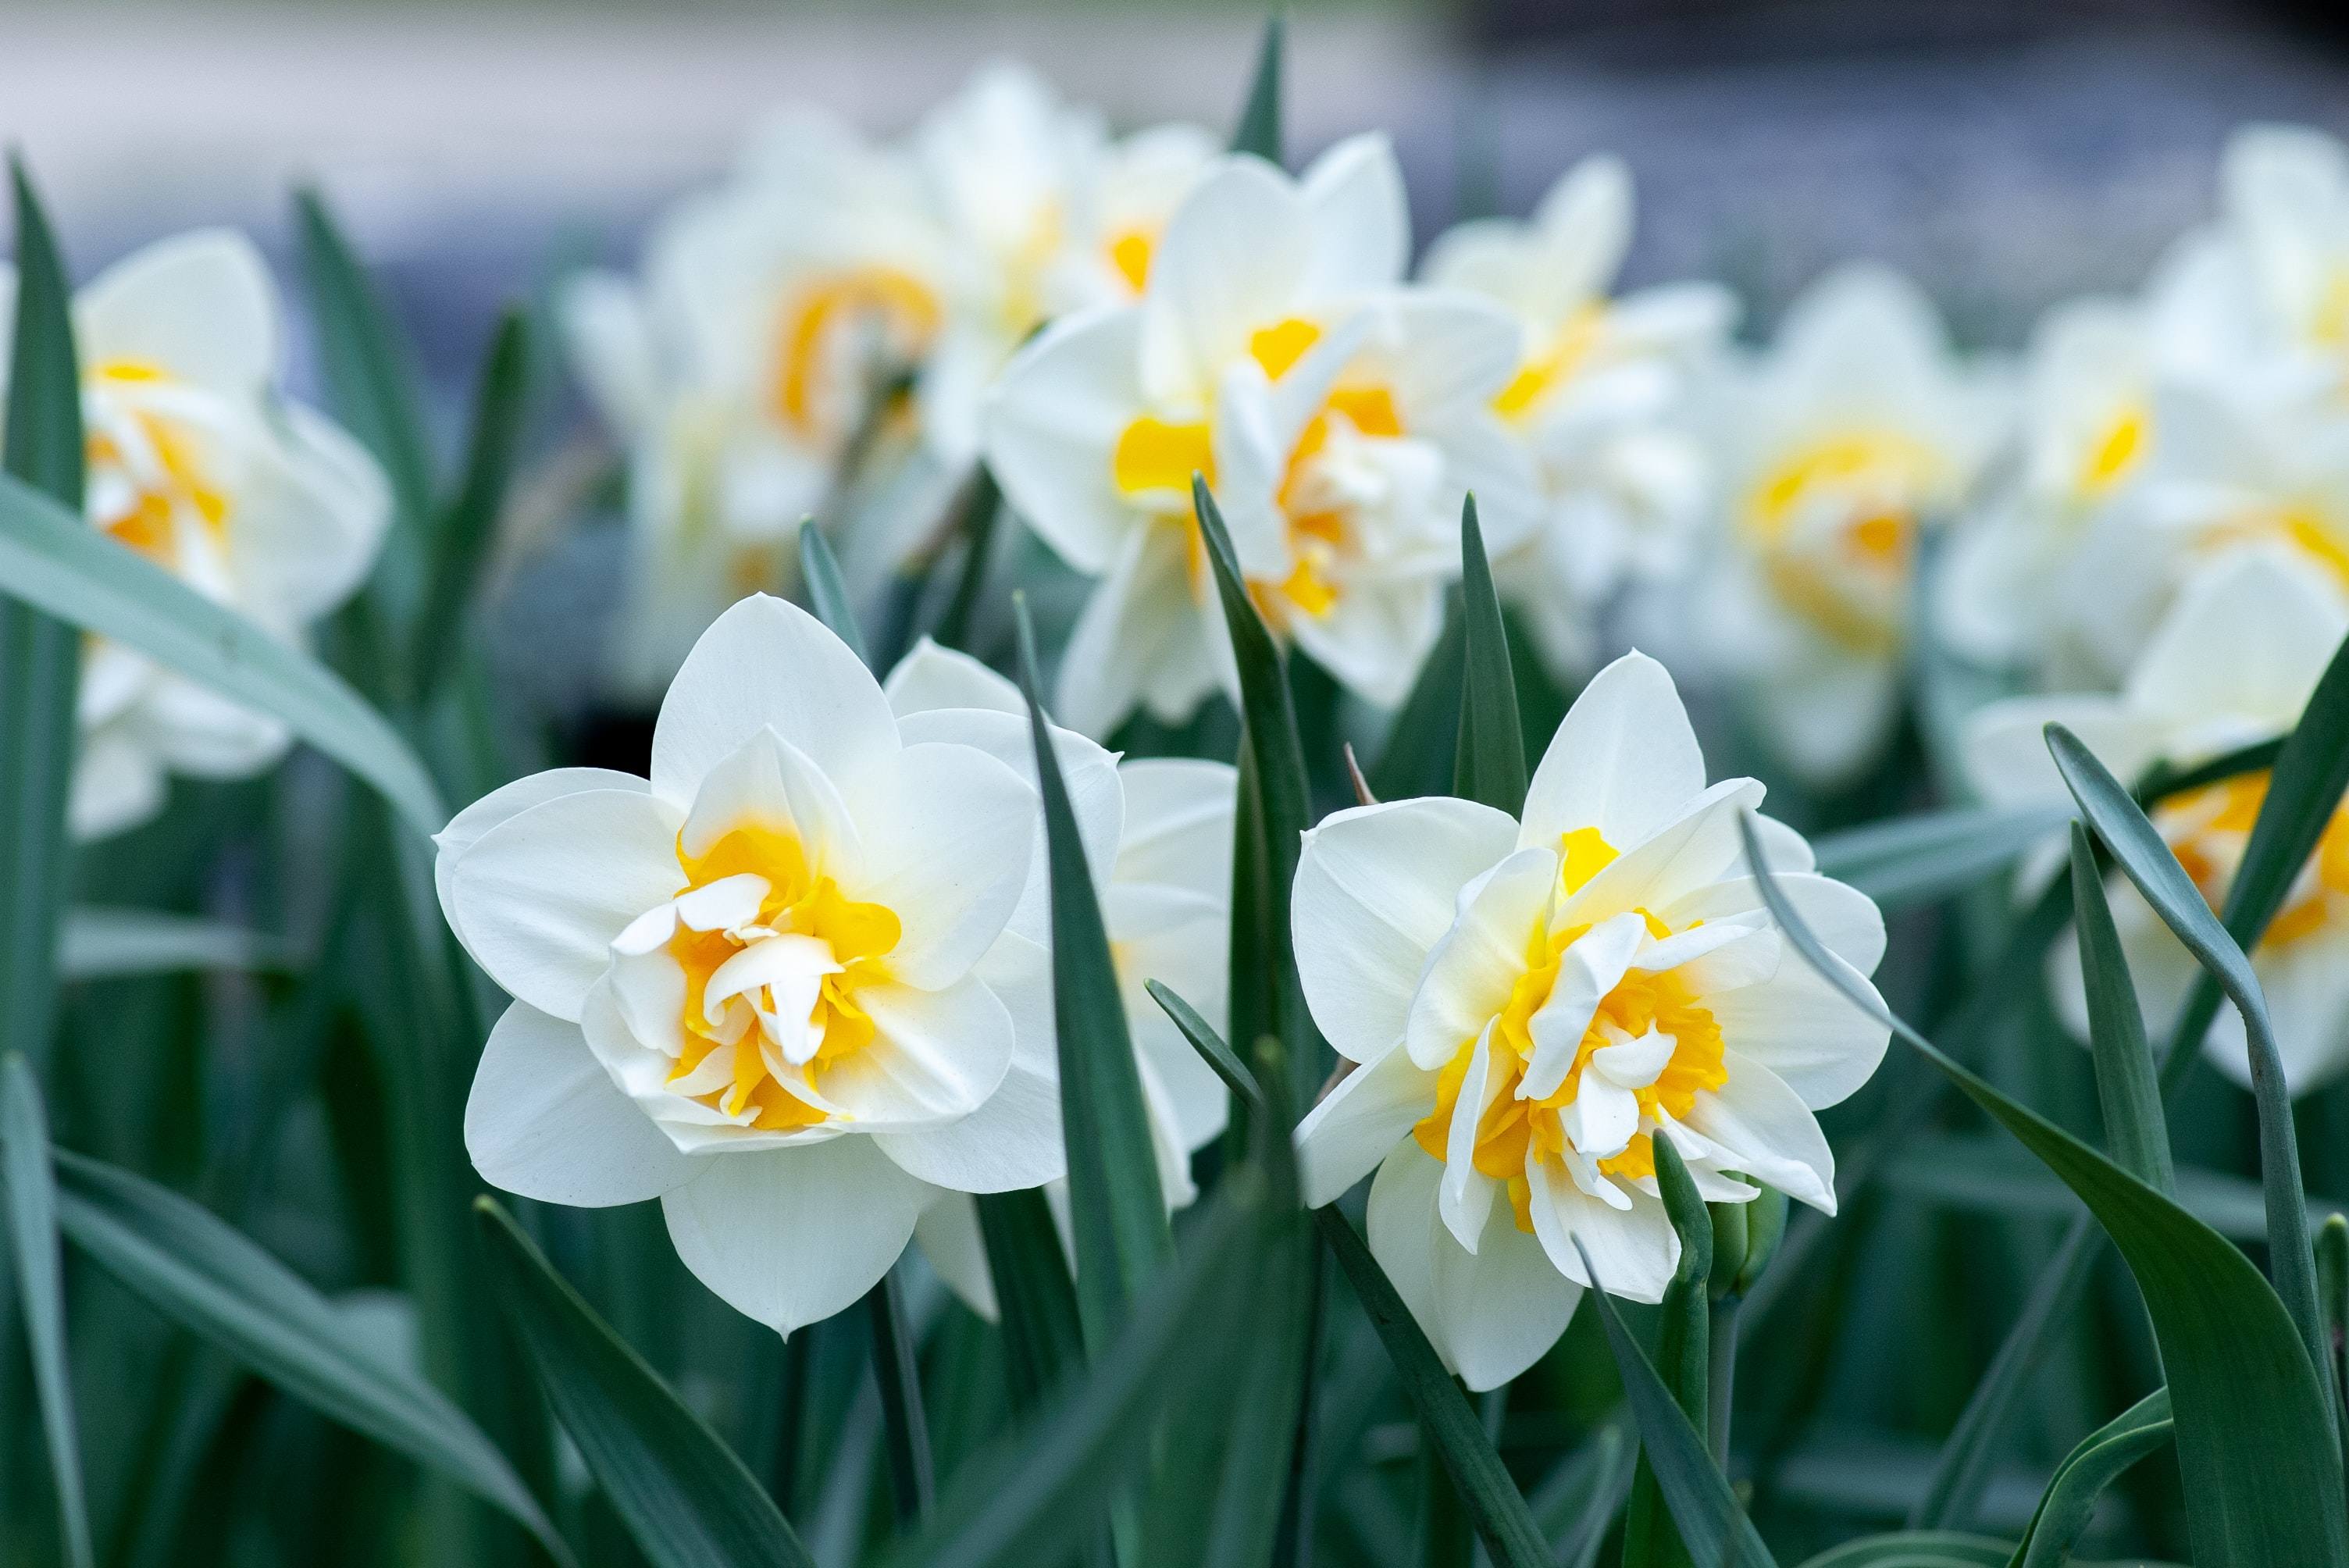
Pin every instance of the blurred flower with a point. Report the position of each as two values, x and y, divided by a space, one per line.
1600 396
1338 416
196 462
1853 434
1158 837
754 987
1530 1005
814 336
2233 663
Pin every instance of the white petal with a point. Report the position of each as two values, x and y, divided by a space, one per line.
1140 638
1359 1122
1464 1199
1011 1142
935 1057
768 783
2005 744
1361 219
1805 1030
199 305
1178 825
1634 1249
546 1121
511 800
1764 1130
1587 970
1602 1119
1502 1306
1471 970
538 898
1377 887
1690 854
1051 429
949 1234
1844 918
931 676
789 1236
1403 1232
1624 761
1231 261
949 833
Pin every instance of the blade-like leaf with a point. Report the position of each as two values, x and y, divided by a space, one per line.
1418 758
1210 1047
32 1192
106 943
1494 1505
1260 128
1711 1526
827 594
1684 1354
469 524
1916 1548
1043 1340
1577 1502
1988 1174
2070 1501
1913 860
2138 845
1491 764
1117 1212
2262 1473
2127 1087
687 1500
897 1371
40 655
49 558
369 368
191 1267
979 517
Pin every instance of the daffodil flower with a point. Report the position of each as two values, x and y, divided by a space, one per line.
1601 396
1851 438
2233 663
197 463
755 985
1337 416
1530 1004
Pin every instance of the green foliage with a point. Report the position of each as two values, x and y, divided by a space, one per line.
32 1194
827 594
2070 1501
1258 130
1491 765
1682 1354
466 526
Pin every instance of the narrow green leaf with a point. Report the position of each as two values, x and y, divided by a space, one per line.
827 594
40 657
1915 1549
2070 1501
898 1372
50 558
2139 846
2261 1470
1992 1175
1117 1211
1713 1528
1210 1047
1043 1340
1260 128
191 1267
980 516
369 368
1576 1503
687 1500
1683 1355
2333 1289
1422 745
2127 1087
32 1188
1912 860
97 943
2163 780
468 525
1494 1505
1491 764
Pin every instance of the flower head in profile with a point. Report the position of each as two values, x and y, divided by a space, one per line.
196 461
1338 417
753 986
2232 664
1601 396
1530 1005
1853 435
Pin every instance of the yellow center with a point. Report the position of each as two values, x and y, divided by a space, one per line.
1513 1129
180 486
1848 577
859 935
879 317
2117 452
1555 362
2303 528
2207 829
1130 254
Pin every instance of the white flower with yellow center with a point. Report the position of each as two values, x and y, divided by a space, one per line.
197 463
1856 432
754 986
1158 837
1338 417
1530 1005
2232 664
1601 397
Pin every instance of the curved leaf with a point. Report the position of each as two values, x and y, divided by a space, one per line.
1684 1354
369 367
469 524
98 943
1915 1549
2070 1501
32 1191
897 1371
1260 128
1042 1341
980 514
1576 1504
827 594
1911 861
1210 1046
1490 765
2127 1087
1419 756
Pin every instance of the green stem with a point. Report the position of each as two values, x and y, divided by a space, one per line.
896 1368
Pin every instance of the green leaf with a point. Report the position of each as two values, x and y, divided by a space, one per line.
98 943
2139 846
687 1500
1713 1527
468 526
1911 861
1117 1212
32 1189
40 657
368 367
49 557
1422 745
1210 1047
2070 1501
1684 1354
1494 1505
2262 1470
2127 1087
897 1371
1988 1174
827 594
1043 1340
189 1265
1491 764
980 516
1576 1503
1260 128
1915 1549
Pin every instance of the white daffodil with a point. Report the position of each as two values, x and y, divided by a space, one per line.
197 463
2233 663
1530 1004
1158 839
1856 432
757 986
1339 417
1600 396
